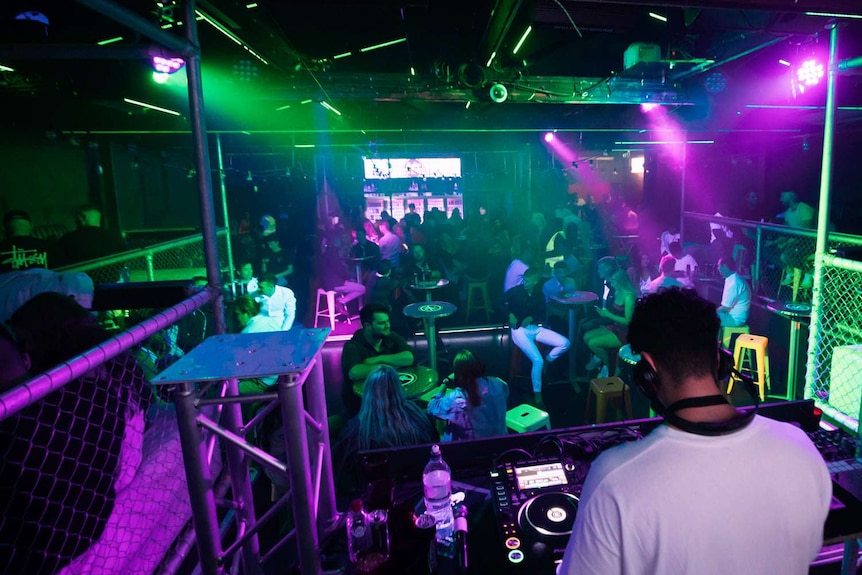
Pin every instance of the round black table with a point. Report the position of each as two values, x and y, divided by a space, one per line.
416 381
429 311
573 300
796 313
429 286
358 262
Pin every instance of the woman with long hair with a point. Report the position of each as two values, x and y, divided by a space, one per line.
607 338
477 405
387 418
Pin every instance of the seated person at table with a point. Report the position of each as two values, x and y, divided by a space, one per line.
249 318
526 310
665 278
371 346
417 267
477 405
385 419
559 285
276 302
685 263
609 338
246 277
736 297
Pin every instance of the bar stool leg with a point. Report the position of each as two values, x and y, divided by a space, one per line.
601 407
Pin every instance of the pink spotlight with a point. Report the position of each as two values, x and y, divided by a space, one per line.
810 73
648 107
167 65
549 137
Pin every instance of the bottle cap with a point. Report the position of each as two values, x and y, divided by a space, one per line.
435 449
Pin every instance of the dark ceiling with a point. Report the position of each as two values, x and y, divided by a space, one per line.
289 56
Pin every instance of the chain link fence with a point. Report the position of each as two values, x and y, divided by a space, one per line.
92 478
835 344
180 259
779 261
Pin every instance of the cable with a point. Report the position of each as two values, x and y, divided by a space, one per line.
569 16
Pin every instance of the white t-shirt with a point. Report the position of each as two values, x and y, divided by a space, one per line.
736 297
684 263
280 306
751 502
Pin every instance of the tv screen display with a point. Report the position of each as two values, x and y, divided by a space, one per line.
400 168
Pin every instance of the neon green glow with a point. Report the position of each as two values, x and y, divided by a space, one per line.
412 71
280 108
252 5
467 107
150 106
309 101
330 107
835 15
383 45
167 26
521 41
6 68
658 17
110 41
160 77
304 146
342 55
491 59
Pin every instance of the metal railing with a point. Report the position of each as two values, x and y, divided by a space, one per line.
834 367
179 259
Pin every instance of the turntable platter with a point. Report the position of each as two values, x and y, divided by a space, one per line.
549 514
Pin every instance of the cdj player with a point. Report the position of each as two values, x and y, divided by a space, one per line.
536 503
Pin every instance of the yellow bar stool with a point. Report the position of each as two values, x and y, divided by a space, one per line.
752 358
526 417
727 333
607 389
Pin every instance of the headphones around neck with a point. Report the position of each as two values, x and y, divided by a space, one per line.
647 380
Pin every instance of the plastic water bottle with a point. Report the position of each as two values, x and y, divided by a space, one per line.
437 484
358 532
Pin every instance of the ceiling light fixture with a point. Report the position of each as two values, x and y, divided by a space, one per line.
308 101
491 59
110 41
6 68
303 146
342 55
150 106
523 38
330 107
412 71
383 45
280 108
784 62
251 5
658 17
498 93
467 106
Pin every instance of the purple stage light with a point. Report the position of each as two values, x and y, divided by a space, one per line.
167 65
549 137
646 108
809 73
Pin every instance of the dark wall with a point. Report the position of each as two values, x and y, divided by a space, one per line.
153 189
46 177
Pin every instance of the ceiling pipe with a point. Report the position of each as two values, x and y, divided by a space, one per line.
141 25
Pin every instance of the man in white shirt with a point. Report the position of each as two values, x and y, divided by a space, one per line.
517 267
666 266
736 297
276 302
712 491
